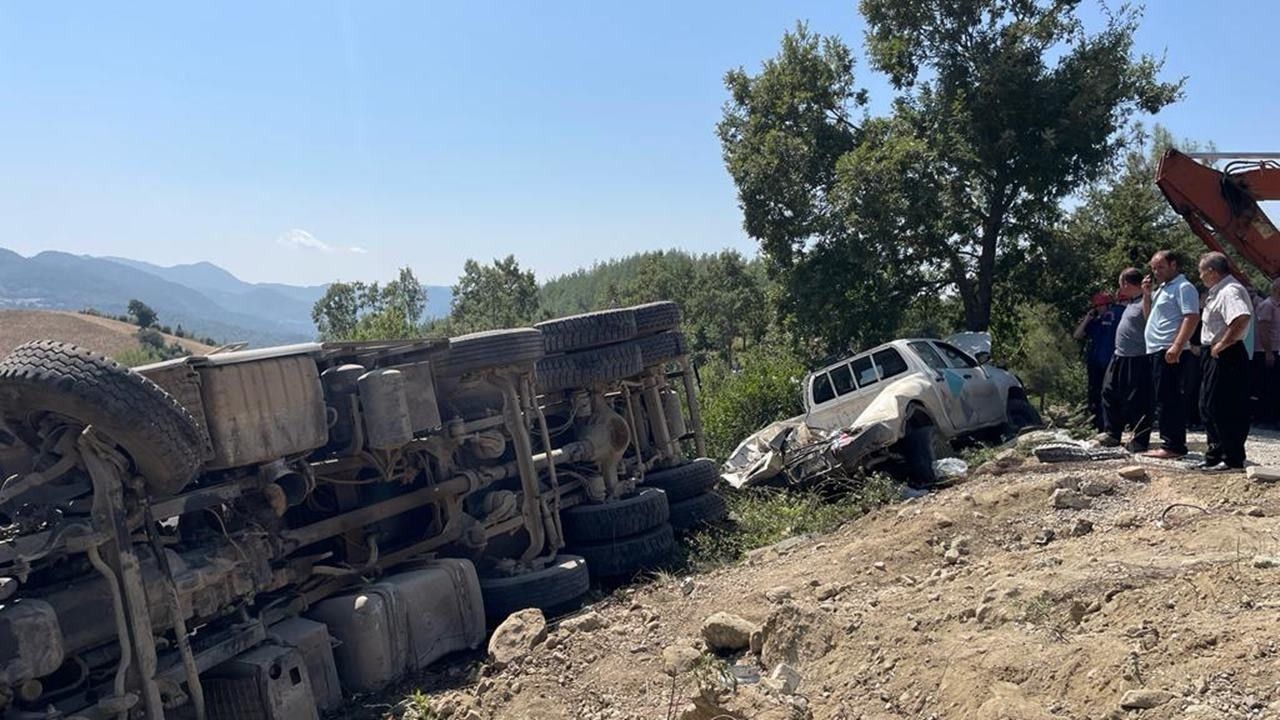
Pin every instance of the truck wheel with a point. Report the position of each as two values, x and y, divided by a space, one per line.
80 387
589 330
699 510
685 481
552 588
589 367
629 555
1022 414
661 348
491 348
917 450
643 511
655 317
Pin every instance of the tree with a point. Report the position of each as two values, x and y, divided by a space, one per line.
141 314
1005 108
337 312
367 311
494 296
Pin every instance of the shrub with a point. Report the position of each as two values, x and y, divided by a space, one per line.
737 402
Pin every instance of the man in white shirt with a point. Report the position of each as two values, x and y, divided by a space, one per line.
1224 390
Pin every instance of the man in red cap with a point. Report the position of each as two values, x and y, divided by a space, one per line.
1098 326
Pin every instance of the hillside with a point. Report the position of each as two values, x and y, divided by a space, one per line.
109 337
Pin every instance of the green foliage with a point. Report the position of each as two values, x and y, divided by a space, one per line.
1046 359
368 311
1005 108
150 337
141 314
737 402
488 297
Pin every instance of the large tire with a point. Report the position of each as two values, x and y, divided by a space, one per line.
553 588
685 481
157 433
643 511
627 556
661 348
589 367
917 450
489 349
700 510
656 317
589 330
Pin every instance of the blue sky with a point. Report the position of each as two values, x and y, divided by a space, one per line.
305 143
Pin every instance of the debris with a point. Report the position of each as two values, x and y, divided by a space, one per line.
1266 562
777 594
1044 536
950 468
1096 488
1263 473
784 679
516 637
1081 528
1070 500
678 659
828 591
1252 511
727 633
586 622
1144 699
1133 472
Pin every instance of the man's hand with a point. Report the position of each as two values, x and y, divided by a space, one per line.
1146 285
1215 349
1173 355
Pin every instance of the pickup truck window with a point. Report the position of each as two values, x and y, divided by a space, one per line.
842 378
822 391
889 362
928 355
955 358
864 371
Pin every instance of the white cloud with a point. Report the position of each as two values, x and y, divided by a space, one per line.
298 239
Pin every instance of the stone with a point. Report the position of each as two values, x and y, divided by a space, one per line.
879 565
727 633
1133 472
1044 536
828 591
1096 488
785 678
678 659
777 594
517 636
942 521
1065 499
1144 699
951 556
1263 473
588 621
756 642
1070 482
1253 511
1266 562
1127 520
1081 528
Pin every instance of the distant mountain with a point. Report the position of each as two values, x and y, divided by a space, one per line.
202 297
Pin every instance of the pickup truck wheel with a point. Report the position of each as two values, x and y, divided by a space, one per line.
699 510
661 348
629 555
685 481
589 330
553 588
655 317
80 387
917 449
491 348
589 367
642 511
1022 414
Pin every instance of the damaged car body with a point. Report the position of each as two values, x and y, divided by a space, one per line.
891 404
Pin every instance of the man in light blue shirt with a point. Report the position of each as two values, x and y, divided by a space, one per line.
1172 308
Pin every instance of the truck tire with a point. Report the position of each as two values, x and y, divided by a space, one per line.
589 330
629 555
158 434
642 511
661 348
698 510
685 481
552 588
656 317
1021 414
491 348
917 450
589 367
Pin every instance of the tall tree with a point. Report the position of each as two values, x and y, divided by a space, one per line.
369 311
142 314
494 296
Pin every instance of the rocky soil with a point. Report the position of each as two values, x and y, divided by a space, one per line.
1030 591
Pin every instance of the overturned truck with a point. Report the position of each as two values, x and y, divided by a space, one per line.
251 534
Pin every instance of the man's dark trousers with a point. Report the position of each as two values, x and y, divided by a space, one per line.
1096 375
1126 399
1166 382
1224 404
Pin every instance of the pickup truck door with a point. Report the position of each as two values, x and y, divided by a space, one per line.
979 394
947 384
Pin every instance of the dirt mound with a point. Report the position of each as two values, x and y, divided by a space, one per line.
102 335
981 601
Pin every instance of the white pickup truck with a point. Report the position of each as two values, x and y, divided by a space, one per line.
894 401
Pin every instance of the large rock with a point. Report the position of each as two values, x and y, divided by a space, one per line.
727 633
796 636
1095 488
1065 499
1133 472
588 621
1144 699
517 636
678 659
1263 473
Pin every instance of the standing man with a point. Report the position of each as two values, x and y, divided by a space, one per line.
1266 345
1172 308
1126 388
1224 390
1099 326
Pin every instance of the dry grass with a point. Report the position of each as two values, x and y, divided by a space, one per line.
109 337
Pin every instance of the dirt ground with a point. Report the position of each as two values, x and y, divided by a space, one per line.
1163 592
103 335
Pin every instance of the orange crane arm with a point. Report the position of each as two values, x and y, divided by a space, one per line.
1223 206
